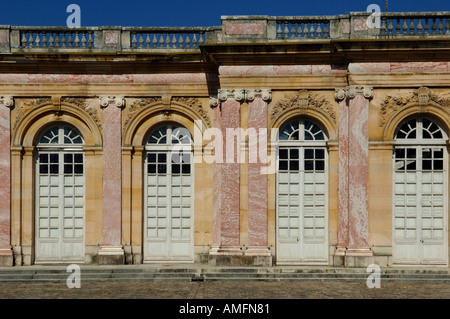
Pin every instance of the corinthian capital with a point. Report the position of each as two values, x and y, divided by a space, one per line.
7 100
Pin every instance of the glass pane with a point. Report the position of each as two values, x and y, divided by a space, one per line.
283 154
43 158
78 158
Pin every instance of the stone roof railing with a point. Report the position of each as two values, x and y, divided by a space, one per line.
234 29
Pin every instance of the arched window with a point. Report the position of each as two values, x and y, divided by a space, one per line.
301 193
59 195
168 196
419 204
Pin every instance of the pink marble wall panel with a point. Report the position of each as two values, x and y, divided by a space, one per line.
265 70
112 175
5 178
3 37
419 66
230 183
104 78
343 176
346 27
358 170
111 37
360 25
257 182
244 28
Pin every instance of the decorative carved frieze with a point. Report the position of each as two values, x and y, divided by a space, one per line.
196 105
84 105
136 107
422 96
26 106
303 100
119 101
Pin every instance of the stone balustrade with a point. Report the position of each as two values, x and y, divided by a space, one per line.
234 29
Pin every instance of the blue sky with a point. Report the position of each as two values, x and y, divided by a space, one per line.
187 12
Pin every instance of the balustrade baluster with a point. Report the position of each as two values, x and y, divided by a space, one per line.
83 39
279 30
325 30
91 38
404 27
133 40
433 27
201 41
194 40
319 30
412 27
24 41
141 40
155 40
419 26
390 27
181 40
38 40
70 40
383 26
161 40
188 40
447 25
441 26
147 40
397 26
286 30
77 41
44 39
427 26
50 40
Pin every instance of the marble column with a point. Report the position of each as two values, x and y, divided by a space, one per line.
6 253
353 210
111 250
257 181
226 176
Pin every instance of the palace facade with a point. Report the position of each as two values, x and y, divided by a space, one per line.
318 140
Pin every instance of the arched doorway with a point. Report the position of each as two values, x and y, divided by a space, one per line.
302 218
59 195
420 193
168 195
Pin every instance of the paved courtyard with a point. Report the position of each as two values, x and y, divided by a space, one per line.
226 290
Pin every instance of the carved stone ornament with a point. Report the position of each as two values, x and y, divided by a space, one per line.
7 101
25 107
82 104
238 95
136 107
351 91
119 101
196 105
302 100
422 96
265 94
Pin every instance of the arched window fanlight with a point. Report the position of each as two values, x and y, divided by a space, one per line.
301 130
170 135
61 134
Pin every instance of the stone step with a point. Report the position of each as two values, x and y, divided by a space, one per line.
59 274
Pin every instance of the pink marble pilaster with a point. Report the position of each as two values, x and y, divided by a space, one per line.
358 172
257 181
5 185
230 209
226 237
353 178
112 178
